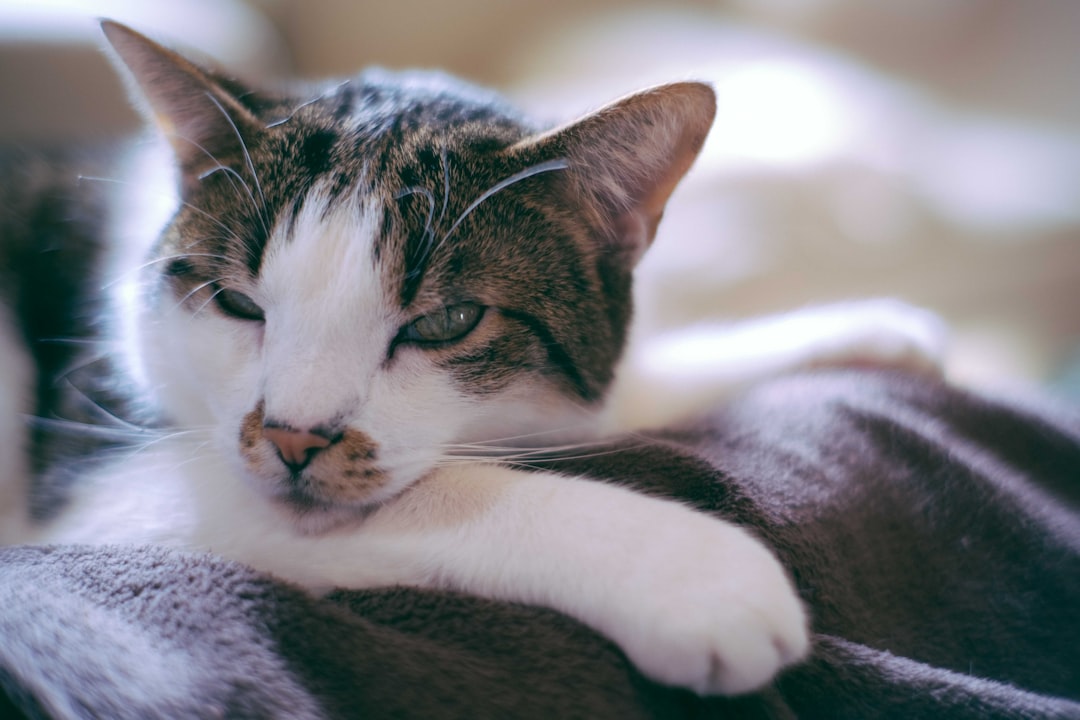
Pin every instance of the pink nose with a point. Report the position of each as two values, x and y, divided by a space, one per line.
296 447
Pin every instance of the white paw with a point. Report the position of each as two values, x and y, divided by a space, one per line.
878 333
682 373
723 620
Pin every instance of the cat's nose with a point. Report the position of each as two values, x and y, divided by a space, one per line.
296 447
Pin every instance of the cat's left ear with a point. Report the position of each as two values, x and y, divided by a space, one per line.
200 113
626 159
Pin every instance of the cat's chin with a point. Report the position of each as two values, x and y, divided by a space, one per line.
312 516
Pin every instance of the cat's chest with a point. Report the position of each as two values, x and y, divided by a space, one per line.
170 492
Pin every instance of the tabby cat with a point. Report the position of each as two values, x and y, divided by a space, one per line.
368 302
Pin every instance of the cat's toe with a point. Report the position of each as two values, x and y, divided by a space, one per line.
737 649
881 333
906 337
753 648
728 631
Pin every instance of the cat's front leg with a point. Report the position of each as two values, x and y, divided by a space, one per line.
680 374
692 600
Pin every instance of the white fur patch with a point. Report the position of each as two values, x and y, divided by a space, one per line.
329 321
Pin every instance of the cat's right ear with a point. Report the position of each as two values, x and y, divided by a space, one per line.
204 121
625 159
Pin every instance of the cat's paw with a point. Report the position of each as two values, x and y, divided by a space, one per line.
881 333
723 620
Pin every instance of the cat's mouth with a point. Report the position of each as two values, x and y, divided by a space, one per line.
309 472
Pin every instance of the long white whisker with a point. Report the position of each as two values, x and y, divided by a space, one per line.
219 166
228 230
499 447
120 276
194 456
184 203
244 149
96 178
303 105
81 363
431 204
208 301
197 288
76 427
548 166
70 340
113 417
230 174
584 424
533 460
164 438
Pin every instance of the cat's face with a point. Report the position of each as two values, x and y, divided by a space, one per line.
362 281
337 303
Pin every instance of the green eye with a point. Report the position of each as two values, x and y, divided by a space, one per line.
238 305
446 324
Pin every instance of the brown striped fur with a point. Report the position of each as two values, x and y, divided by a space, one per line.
475 204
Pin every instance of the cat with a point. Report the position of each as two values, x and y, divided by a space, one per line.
369 300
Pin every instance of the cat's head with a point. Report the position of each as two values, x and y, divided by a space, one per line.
365 276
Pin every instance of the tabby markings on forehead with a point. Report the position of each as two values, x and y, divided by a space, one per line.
417 260
343 107
418 254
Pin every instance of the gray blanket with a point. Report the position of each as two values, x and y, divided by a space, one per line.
934 535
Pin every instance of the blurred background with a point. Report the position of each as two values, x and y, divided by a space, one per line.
924 149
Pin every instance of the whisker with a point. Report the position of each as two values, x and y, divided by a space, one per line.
498 448
86 429
301 106
243 148
122 275
491 446
80 363
233 176
431 203
69 341
231 173
547 166
583 425
124 438
208 283
132 452
96 178
534 460
194 454
230 234
208 301
219 166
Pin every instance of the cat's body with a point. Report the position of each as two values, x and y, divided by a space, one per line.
364 291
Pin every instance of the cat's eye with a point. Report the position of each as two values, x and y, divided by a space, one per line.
238 305
447 324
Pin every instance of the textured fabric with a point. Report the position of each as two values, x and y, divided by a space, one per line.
935 537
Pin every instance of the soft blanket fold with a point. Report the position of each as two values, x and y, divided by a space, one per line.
934 535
